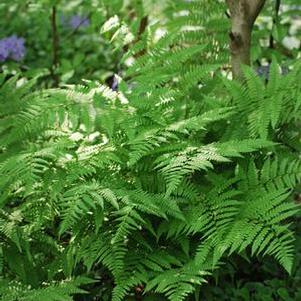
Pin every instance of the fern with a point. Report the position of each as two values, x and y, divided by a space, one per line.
152 187
51 292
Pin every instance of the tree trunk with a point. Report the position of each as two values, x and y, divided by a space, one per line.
243 14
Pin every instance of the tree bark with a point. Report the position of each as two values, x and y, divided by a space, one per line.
243 14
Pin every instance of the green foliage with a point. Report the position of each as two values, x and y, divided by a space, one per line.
258 280
149 189
268 107
52 292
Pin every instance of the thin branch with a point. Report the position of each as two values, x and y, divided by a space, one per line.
142 26
275 22
55 47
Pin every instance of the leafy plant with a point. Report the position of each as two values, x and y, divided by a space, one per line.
147 189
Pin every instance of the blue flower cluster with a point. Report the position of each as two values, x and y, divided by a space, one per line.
264 71
12 48
75 21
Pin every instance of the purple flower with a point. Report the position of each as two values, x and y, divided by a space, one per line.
4 53
75 21
12 48
264 71
16 47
